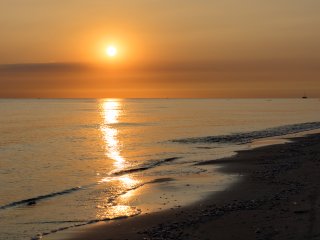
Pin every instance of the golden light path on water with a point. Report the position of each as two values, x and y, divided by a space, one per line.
111 110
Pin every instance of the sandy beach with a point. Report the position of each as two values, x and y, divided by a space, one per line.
277 198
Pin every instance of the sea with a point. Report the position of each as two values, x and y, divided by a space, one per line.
70 163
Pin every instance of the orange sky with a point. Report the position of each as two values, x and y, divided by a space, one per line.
181 48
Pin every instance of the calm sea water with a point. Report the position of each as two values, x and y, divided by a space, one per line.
67 163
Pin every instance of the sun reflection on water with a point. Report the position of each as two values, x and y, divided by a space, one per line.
118 211
124 181
111 110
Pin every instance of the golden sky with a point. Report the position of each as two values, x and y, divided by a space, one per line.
180 48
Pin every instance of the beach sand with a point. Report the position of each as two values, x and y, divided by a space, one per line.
277 197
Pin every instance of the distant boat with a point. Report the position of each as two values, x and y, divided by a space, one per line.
304 96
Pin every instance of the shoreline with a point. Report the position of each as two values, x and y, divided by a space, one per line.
276 198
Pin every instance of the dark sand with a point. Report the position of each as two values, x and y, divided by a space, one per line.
277 198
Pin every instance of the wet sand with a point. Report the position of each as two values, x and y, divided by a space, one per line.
276 198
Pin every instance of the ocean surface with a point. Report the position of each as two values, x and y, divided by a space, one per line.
68 163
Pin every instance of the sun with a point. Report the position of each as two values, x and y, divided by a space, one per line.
111 51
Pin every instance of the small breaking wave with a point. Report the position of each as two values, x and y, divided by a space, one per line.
145 166
32 201
247 137
135 212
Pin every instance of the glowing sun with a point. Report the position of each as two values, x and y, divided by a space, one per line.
111 51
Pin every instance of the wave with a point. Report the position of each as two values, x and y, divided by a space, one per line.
247 137
32 201
78 223
145 166
84 223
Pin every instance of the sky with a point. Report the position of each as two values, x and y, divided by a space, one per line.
178 48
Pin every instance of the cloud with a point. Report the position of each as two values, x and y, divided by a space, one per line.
272 65
42 67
